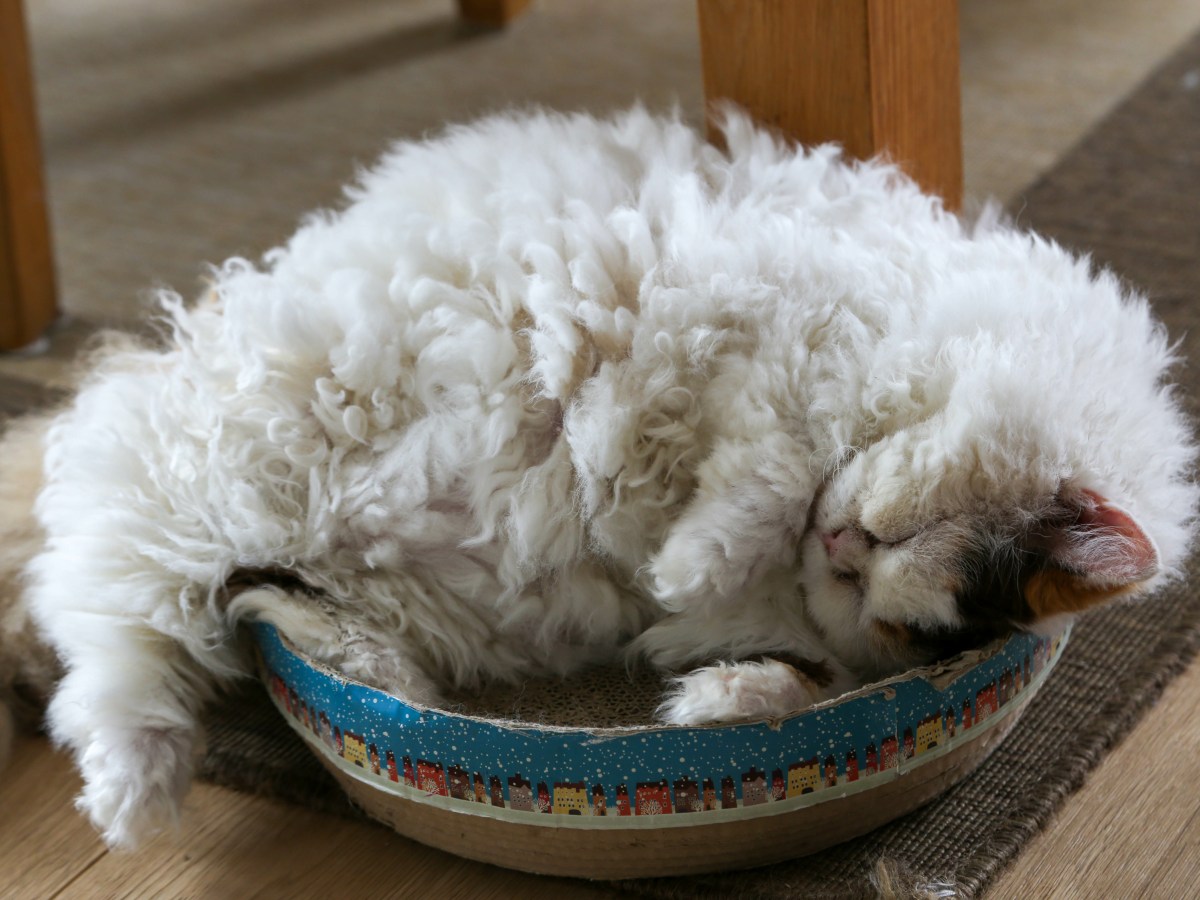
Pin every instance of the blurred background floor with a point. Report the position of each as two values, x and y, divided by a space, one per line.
177 134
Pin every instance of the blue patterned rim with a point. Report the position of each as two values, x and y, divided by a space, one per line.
648 776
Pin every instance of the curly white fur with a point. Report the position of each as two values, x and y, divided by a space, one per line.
550 385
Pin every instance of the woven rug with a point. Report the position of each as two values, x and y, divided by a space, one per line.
1127 194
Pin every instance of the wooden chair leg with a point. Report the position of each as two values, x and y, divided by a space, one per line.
492 13
27 291
877 76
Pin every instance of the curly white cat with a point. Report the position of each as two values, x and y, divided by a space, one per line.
553 389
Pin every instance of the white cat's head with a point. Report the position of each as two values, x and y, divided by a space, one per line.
910 559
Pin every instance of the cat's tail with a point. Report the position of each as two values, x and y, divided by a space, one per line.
28 667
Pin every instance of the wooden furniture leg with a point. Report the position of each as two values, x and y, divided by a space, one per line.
27 292
877 76
492 13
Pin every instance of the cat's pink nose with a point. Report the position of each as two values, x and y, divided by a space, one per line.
846 543
832 541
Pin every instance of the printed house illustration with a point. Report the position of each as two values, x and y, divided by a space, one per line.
623 808
831 771
1006 686
430 778
460 783
325 729
804 777
354 748
754 787
986 703
889 753
872 766
570 798
599 803
728 793
930 733
687 796
710 795
852 765
653 798
520 793
279 690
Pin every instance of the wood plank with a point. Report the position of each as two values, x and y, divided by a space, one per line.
1134 828
270 849
1179 867
27 287
44 843
874 75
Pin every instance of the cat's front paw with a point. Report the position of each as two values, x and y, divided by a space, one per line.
685 568
702 563
134 782
736 692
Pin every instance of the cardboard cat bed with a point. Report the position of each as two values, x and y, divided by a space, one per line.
566 789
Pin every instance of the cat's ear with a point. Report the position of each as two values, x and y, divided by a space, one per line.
1100 555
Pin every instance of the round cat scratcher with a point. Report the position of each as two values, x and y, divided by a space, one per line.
517 779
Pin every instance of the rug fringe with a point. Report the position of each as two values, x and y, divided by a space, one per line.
893 882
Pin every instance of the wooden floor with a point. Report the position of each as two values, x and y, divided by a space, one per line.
1133 831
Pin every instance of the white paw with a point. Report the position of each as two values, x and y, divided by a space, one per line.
134 782
678 572
745 691
694 564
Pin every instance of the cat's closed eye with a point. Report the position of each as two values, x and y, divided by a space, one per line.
892 537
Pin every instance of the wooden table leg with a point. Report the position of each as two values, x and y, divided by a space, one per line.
27 291
877 76
493 13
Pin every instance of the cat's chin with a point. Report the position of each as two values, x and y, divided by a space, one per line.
874 647
833 607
